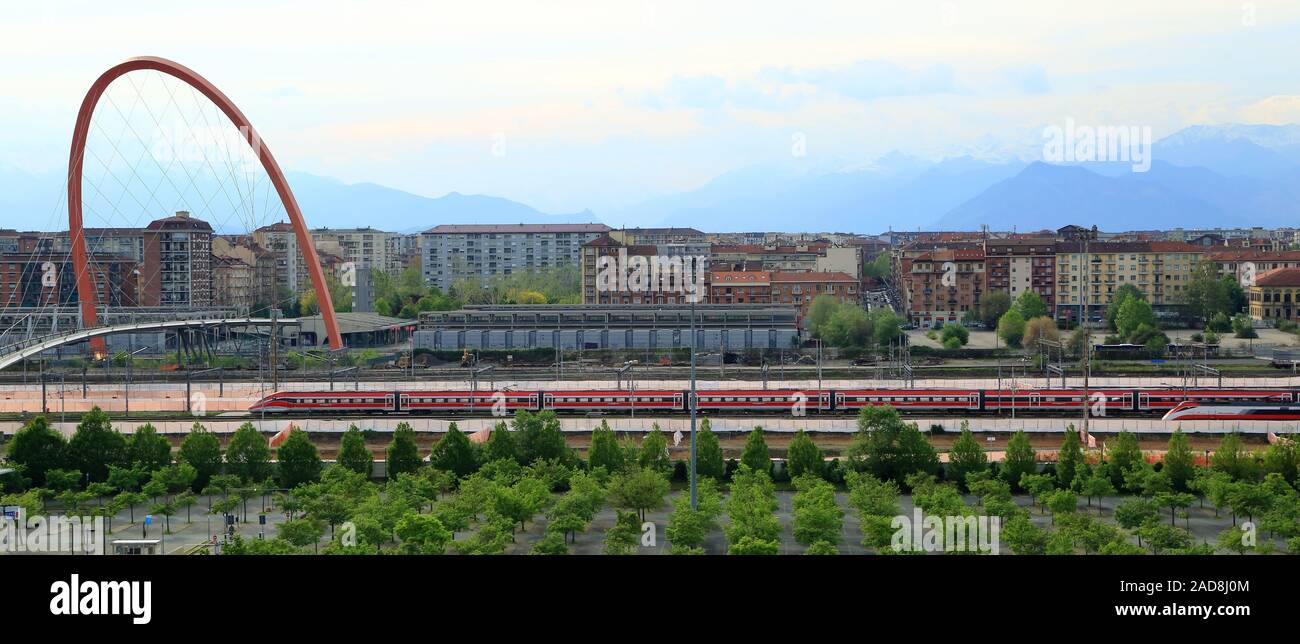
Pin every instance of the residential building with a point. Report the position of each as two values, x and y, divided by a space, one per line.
177 267
799 288
1276 296
942 285
480 251
740 287
1240 263
1161 270
1020 264
232 282
364 247
44 279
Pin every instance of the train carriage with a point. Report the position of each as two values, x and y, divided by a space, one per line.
340 402
613 400
774 400
905 399
466 401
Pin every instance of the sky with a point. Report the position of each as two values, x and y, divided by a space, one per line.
596 105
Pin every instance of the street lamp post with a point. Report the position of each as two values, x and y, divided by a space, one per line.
690 402
127 389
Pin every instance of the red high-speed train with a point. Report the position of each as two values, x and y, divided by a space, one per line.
1115 401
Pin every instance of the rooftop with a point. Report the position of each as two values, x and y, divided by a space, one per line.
454 229
1279 277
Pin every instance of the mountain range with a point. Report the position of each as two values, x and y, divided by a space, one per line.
1201 176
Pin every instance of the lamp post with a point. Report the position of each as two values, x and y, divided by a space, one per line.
690 402
127 389
1088 236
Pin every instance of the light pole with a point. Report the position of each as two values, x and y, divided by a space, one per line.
127 389
819 363
1088 236
690 402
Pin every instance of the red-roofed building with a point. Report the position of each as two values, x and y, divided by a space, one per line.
941 286
1276 296
798 288
740 287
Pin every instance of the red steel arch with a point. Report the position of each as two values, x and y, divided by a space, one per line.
80 263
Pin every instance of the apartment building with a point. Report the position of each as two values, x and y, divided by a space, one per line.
1016 265
740 287
232 283
1240 263
43 279
280 240
403 253
261 280
800 288
1275 296
657 236
364 247
941 285
455 252
177 267
1087 278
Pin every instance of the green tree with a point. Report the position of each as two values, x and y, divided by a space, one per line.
1069 458
604 451
248 455
888 448
803 456
149 449
954 333
1179 460
1011 327
1133 315
38 448
1232 459
299 461
422 534
403 453
1030 305
1021 459
623 538
454 453
353 453
755 454
966 457
96 445
501 445
202 451
301 532
654 452
992 307
1121 295
1282 458
708 453
1124 455
1023 537
639 489
540 437
751 508
817 518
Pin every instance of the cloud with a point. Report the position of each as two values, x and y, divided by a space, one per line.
1273 110
865 80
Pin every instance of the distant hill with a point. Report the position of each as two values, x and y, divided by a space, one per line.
327 202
